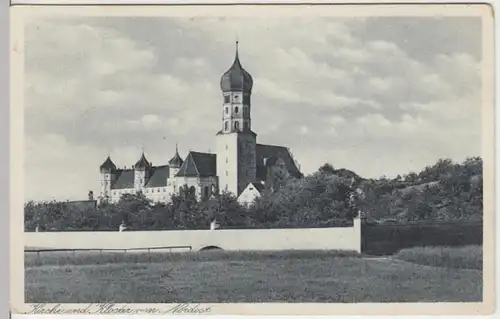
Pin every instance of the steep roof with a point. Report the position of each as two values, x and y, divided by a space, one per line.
236 78
176 161
199 165
108 165
258 186
267 155
158 176
142 162
124 179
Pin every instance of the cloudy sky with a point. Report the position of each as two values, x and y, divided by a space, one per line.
380 96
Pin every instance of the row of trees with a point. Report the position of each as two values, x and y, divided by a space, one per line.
444 191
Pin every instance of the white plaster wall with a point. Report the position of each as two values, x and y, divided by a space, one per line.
158 194
164 193
248 195
231 167
116 194
341 238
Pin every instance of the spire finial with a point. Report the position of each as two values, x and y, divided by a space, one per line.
237 42
176 148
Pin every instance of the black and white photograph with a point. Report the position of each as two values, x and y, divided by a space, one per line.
279 155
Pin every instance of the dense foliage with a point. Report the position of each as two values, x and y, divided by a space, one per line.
445 191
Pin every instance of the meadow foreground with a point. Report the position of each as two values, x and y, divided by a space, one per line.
215 277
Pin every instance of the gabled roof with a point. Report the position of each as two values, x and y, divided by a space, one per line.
199 165
258 186
124 179
268 155
158 176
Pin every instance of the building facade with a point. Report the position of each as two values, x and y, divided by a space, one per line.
238 160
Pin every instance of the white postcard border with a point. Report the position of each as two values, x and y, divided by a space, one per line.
20 13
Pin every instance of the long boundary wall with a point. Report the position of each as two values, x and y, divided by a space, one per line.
337 238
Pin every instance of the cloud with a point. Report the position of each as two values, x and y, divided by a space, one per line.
353 92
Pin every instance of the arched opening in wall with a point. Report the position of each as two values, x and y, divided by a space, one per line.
226 126
211 248
236 125
205 192
236 109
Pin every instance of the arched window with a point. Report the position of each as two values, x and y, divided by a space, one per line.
226 125
236 125
205 191
236 109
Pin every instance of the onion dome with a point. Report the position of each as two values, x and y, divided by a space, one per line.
142 163
236 78
108 165
176 161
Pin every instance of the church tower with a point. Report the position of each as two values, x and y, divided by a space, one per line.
175 163
235 142
141 173
108 171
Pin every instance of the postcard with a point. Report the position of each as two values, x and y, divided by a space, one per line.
252 159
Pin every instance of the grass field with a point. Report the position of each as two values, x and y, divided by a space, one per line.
469 257
217 276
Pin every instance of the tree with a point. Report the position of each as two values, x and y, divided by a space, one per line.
277 176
